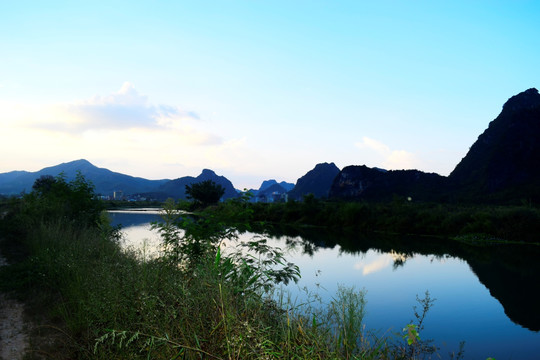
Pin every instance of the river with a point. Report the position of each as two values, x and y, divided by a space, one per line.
486 296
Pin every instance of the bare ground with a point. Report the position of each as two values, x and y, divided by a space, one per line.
13 335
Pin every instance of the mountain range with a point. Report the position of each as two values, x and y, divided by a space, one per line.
270 189
502 166
105 181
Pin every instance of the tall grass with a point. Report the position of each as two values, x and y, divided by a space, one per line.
108 303
103 302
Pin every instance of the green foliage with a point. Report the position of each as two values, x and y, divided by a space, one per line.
411 334
54 198
516 223
255 267
346 312
190 241
205 192
44 184
416 345
200 300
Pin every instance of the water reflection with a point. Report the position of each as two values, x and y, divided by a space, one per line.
137 232
478 289
382 261
511 273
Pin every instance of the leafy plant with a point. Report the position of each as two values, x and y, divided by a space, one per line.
411 334
416 345
205 192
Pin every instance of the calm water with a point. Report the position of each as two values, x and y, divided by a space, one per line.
485 296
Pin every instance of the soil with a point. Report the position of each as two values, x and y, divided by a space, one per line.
13 329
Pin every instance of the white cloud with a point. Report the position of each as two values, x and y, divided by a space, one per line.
368 143
381 155
125 132
124 109
377 264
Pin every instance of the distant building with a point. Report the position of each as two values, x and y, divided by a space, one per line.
118 195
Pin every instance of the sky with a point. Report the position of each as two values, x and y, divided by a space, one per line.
259 89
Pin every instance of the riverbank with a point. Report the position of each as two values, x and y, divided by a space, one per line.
106 303
517 224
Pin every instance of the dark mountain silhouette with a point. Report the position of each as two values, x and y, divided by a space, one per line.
104 180
287 186
362 182
273 189
177 188
107 182
270 191
14 182
503 164
317 182
511 276
267 183
500 167
281 188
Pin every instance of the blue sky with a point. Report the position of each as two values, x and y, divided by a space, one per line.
257 89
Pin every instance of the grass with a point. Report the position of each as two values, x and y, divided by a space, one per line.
102 302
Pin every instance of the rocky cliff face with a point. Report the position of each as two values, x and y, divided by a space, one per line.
503 165
362 182
317 182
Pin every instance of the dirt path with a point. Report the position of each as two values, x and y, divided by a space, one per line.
13 337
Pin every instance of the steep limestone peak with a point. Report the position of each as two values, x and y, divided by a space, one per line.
325 166
525 100
208 172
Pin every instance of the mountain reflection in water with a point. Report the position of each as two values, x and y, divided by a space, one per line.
511 273
486 295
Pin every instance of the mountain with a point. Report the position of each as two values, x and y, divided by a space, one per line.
500 167
287 186
267 183
107 182
177 188
503 164
271 193
273 189
362 182
14 182
316 181
104 180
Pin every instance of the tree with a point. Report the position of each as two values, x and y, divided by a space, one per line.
206 192
54 198
44 184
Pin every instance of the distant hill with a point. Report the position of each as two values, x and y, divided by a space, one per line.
316 181
362 182
503 165
105 181
177 188
14 182
275 188
268 183
270 191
